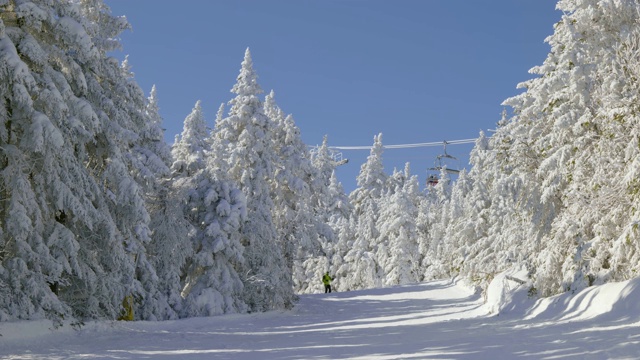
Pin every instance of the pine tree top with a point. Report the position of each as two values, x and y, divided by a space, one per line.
247 81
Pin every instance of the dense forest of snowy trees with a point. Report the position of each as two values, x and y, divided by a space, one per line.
101 218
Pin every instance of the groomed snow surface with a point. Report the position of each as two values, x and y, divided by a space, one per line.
434 320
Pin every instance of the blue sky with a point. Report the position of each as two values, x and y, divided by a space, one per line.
414 70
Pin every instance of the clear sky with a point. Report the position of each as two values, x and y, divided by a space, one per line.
414 70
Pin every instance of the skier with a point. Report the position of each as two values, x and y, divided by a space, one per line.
326 280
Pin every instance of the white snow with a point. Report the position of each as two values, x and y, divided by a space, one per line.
434 320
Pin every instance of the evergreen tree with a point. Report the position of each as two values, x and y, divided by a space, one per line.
153 133
214 209
294 215
243 141
397 252
70 116
360 260
167 251
217 210
562 189
190 146
468 239
333 209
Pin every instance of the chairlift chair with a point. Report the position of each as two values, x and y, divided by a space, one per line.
439 164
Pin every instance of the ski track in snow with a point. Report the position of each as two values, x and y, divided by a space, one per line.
434 320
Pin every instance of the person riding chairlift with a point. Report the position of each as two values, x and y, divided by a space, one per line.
432 180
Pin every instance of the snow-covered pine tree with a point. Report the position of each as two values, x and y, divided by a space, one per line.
397 253
217 210
467 233
434 227
189 147
595 48
333 208
242 141
360 269
329 195
340 220
70 118
124 121
149 161
297 213
168 249
459 228
153 135
214 209
562 202
336 203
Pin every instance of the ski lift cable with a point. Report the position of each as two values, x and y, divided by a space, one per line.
407 146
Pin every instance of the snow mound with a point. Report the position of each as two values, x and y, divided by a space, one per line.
508 293
612 301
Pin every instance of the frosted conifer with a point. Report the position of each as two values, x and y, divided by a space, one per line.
70 117
242 145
